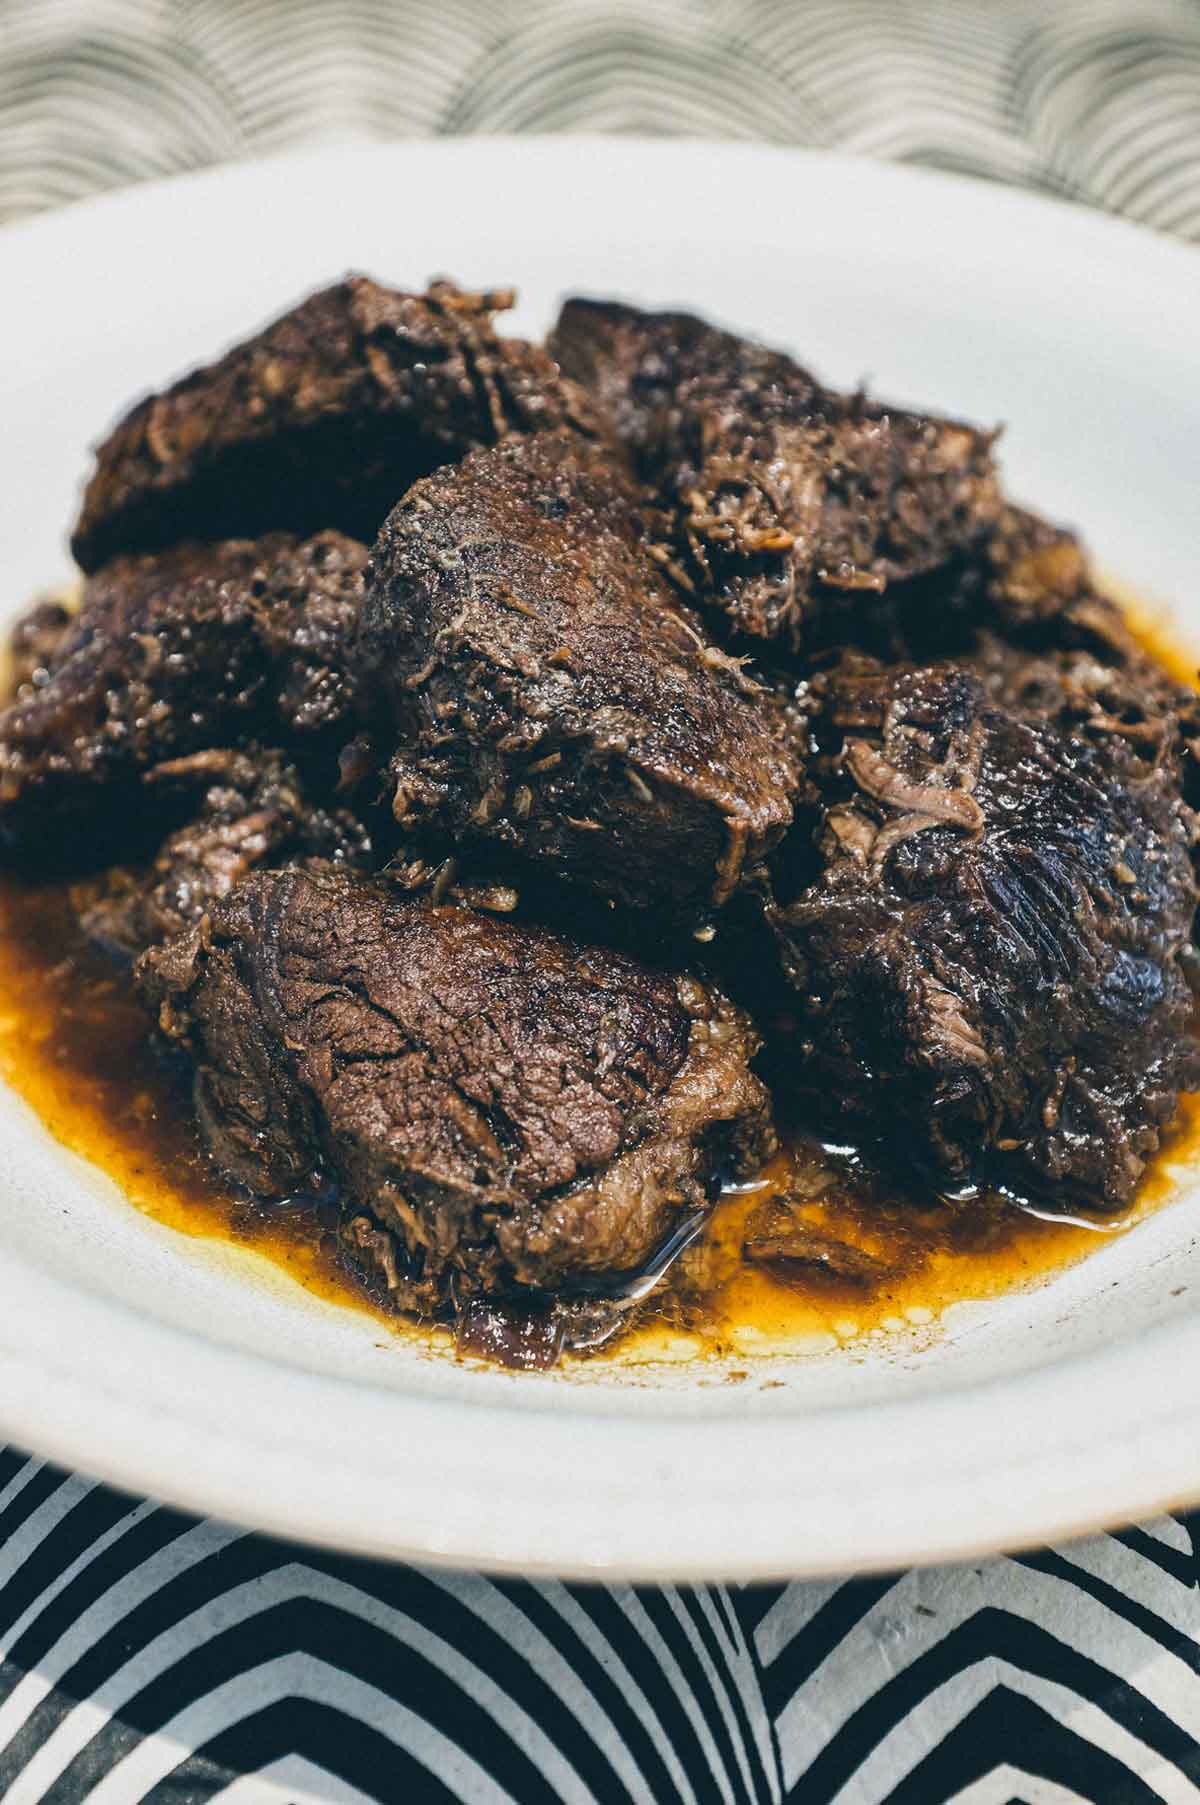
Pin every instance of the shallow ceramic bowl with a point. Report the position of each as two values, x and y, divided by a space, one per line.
198 1374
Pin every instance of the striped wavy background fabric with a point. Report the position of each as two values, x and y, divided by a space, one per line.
148 1656
1098 100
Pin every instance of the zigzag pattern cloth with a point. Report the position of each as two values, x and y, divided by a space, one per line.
145 1655
1095 100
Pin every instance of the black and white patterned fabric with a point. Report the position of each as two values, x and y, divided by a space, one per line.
149 1656
145 1655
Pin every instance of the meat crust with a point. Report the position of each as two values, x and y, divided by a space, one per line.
322 419
503 1110
33 643
550 695
991 939
251 812
171 653
782 498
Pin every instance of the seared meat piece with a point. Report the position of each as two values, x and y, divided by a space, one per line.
171 653
1036 572
323 419
503 1110
549 695
1029 581
1024 579
1023 610
307 614
642 368
252 813
33 643
1049 645
782 497
1023 582
990 931
1080 692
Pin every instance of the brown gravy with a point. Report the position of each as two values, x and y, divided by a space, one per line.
74 1043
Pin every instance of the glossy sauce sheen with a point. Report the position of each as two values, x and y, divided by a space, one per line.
74 1042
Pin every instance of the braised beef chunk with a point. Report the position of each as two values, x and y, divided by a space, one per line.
1022 579
643 369
548 694
322 419
33 643
1029 581
1047 643
251 812
1080 692
309 598
1036 572
171 653
502 1109
1033 583
1023 609
781 496
162 656
772 519
990 943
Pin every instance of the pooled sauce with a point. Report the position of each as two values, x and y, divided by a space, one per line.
922 1253
76 1044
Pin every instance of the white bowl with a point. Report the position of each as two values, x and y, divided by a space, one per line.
196 1373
